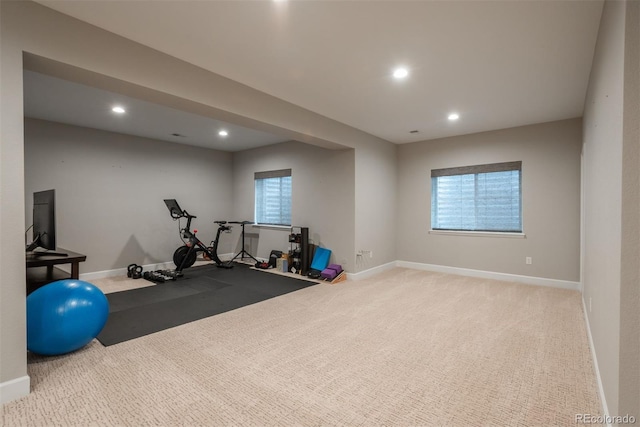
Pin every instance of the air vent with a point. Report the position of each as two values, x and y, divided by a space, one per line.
178 135
413 131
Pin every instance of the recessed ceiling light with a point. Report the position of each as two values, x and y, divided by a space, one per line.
223 133
454 116
400 73
118 110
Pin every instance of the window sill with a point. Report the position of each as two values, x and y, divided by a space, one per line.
480 234
273 227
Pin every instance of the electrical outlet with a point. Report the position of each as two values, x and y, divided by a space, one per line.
528 260
363 252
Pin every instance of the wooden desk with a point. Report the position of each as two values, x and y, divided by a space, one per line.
40 268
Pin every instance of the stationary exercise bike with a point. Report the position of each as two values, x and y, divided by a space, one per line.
185 256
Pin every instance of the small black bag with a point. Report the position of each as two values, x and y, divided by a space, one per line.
273 258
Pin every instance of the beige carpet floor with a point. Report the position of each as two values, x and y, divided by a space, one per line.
404 348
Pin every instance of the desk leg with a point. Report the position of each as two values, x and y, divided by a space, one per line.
75 270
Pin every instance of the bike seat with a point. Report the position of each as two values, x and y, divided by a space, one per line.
220 222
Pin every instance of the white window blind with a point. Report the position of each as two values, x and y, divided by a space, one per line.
273 197
477 198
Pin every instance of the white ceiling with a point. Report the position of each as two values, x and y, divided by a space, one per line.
499 64
58 100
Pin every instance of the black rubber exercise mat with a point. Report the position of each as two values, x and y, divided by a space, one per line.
203 292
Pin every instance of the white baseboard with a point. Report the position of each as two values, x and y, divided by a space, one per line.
123 271
529 280
603 400
169 265
371 272
14 389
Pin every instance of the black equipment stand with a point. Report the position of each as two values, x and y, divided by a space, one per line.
243 252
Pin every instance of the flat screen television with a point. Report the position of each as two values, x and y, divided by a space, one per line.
44 223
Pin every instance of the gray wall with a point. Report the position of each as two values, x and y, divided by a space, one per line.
12 268
110 187
550 155
110 190
602 196
322 199
630 272
611 244
376 173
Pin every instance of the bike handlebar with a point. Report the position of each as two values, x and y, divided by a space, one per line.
187 215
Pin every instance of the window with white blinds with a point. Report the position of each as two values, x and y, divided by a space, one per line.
273 197
477 198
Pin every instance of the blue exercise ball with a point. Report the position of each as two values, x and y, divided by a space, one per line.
64 316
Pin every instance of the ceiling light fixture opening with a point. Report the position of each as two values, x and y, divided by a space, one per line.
453 117
118 109
400 73
223 133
